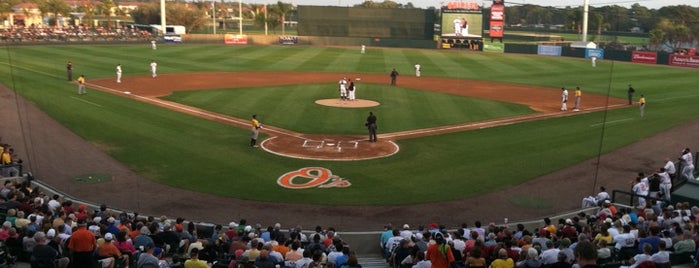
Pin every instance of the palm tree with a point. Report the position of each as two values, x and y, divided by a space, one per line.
281 9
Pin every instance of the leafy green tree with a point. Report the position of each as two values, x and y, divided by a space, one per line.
54 7
106 10
148 13
6 7
656 38
185 15
280 10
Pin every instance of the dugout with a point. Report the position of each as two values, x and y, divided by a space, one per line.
388 27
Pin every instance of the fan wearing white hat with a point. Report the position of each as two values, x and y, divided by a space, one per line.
406 233
109 253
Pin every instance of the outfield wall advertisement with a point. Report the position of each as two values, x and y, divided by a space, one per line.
549 50
684 61
644 57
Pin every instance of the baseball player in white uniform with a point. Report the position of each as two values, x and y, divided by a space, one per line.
153 45
564 99
417 69
153 68
118 73
343 88
352 91
457 26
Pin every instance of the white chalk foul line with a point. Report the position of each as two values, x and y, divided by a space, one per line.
85 101
611 122
189 109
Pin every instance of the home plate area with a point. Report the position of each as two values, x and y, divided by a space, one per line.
329 147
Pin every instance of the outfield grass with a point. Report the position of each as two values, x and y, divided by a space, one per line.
154 141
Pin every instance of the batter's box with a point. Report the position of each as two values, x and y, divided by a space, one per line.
312 144
348 144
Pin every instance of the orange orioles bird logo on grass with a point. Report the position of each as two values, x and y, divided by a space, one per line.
310 177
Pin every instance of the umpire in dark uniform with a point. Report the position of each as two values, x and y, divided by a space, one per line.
371 125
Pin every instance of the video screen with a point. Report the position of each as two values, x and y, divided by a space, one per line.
462 23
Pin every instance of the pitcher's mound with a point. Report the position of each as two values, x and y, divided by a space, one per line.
358 103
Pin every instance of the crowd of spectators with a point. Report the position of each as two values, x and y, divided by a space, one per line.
626 236
47 230
78 33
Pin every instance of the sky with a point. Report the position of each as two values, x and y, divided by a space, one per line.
652 4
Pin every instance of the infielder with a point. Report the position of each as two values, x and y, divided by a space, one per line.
153 68
256 126
81 85
564 99
578 96
343 88
418 68
118 73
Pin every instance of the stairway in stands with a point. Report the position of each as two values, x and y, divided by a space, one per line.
372 262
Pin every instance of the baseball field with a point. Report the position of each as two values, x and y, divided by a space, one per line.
473 124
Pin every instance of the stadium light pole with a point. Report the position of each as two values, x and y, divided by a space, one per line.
213 12
240 17
586 10
162 16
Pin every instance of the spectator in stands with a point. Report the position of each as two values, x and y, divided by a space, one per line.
641 257
338 252
662 256
352 262
82 245
421 262
143 240
651 240
44 255
195 262
440 255
342 259
109 250
561 261
502 261
603 252
147 258
686 244
305 261
531 261
550 255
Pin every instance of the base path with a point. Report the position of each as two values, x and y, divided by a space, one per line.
340 147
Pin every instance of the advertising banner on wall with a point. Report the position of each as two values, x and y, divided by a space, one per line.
235 39
594 52
684 61
496 29
549 50
644 57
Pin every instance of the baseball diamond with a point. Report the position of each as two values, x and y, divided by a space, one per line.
161 153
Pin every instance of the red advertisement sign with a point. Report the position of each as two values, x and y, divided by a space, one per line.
684 61
462 5
644 57
235 39
496 28
497 12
